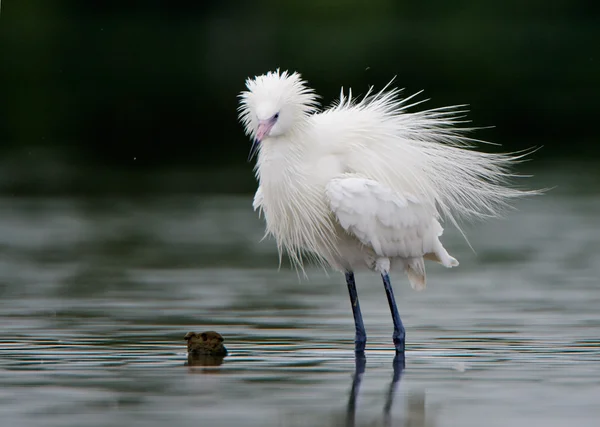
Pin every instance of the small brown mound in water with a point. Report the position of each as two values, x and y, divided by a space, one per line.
207 343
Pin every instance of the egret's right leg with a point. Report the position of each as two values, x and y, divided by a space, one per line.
360 338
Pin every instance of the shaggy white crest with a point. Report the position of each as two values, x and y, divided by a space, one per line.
276 93
366 183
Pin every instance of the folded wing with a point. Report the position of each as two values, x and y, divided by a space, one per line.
392 224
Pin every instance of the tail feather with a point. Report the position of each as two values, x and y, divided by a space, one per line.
442 256
415 270
453 262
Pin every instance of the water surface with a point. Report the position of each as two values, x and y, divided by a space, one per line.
97 294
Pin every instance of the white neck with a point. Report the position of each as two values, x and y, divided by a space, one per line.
293 197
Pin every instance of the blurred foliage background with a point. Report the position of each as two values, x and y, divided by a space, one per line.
138 96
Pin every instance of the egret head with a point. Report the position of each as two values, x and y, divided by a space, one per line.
274 104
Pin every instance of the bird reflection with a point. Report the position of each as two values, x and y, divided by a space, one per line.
360 362
398 365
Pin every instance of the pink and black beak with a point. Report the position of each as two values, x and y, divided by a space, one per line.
264 127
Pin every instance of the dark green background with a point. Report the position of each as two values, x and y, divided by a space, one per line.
141 95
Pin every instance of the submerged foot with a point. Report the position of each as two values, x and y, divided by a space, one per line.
400 344
360 344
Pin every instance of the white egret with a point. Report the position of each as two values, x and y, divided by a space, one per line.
365 183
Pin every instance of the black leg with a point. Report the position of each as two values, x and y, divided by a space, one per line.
360 338
399 334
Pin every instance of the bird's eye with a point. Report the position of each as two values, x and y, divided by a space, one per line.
276 116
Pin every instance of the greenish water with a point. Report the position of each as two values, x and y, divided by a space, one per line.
97 294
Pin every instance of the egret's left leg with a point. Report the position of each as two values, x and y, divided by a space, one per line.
399 333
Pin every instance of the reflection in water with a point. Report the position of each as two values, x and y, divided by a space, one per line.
360 362
415 414
205 348
203 360
398 365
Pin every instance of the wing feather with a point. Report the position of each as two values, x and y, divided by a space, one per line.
392 224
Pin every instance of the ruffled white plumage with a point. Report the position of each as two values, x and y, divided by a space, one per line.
367 180
392 224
